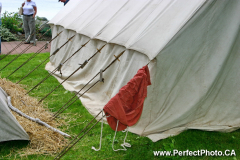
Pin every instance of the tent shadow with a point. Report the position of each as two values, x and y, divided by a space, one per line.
7 147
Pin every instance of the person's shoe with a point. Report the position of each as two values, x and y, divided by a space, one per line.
26 42
33 43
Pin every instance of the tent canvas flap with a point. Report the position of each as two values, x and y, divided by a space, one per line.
10 129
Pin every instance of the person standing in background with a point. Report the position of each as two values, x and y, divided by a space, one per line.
64 1
0 26
29 13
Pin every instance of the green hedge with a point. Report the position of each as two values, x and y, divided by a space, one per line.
12 21
6 35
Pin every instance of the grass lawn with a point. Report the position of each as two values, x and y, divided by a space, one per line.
142 147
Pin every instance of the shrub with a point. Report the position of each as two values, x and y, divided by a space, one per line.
6 35
44 27
12 21
49 33
42 18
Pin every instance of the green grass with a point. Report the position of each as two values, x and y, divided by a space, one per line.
142 147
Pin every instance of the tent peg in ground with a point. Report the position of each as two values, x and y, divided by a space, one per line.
76 139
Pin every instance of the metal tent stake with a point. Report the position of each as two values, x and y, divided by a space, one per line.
77 138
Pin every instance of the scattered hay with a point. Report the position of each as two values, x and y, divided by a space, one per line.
42 140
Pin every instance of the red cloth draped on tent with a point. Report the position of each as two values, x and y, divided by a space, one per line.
126 106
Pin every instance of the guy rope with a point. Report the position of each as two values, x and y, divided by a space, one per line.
59 67
80 67
23 51
35 54
65 106
55 52
78 137
22 42
83 132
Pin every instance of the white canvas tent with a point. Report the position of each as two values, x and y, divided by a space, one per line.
193 49
10 129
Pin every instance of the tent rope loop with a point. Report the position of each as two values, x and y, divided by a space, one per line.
78 137
59 68
84 64
101 76
124 142
100 144
46 45
65 106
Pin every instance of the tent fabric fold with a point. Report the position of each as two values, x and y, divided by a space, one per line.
193 49
130 23
126 106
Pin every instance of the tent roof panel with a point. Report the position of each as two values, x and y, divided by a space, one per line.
145 26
